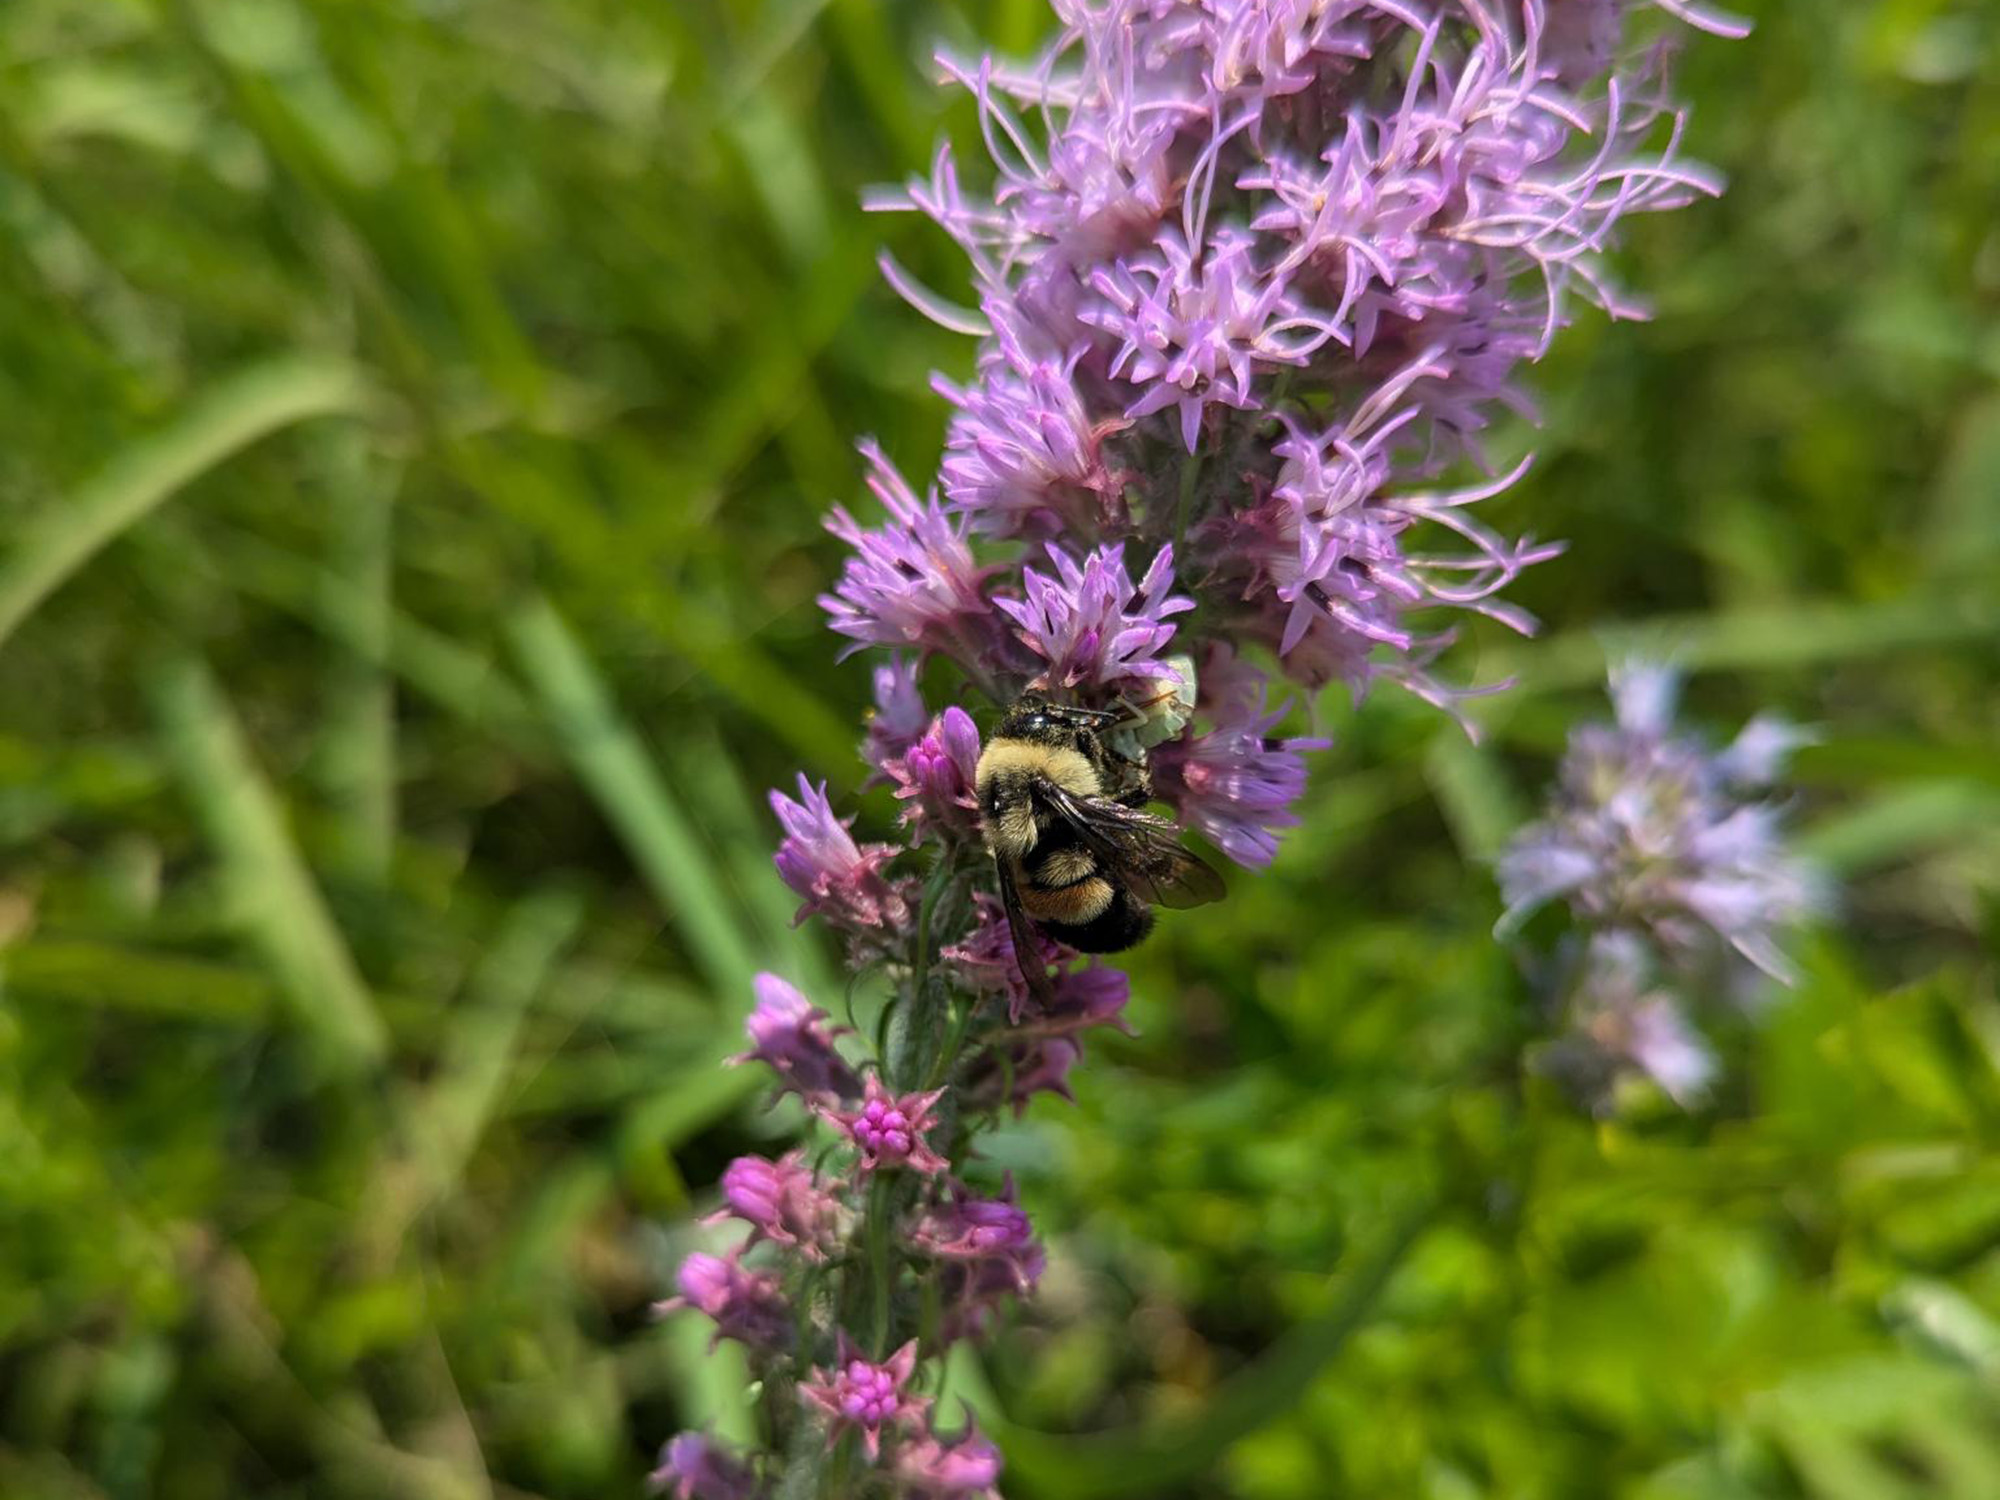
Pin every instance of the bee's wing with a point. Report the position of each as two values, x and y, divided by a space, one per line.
1142 850
1027 942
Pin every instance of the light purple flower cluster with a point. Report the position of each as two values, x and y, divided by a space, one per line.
1257 278
1254 278
1677 878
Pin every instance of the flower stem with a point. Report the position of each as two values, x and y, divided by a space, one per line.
1190 478
881 1209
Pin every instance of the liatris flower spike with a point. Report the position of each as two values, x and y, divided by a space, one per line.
1677 879
1253 284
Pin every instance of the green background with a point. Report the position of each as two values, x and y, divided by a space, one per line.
415 418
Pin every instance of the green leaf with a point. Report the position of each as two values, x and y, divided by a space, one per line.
78 971
679 867
1151 1460
445 1122
271 893
236 412
1901 822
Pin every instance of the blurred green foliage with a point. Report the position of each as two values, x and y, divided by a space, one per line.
417 417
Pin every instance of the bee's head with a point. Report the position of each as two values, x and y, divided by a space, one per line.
1036 718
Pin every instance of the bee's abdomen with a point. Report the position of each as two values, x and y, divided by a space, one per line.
1124 920
1058 859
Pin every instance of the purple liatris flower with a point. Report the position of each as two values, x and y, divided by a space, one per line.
1262 275
789 1035
889 1130
865 1397
934 777
988 1251
899 715
1254 284
1231 780
1077 998
838 879
969 1227
784 1202
913 581
1018 1069
1025 457
747 1306
694 1466
1090 625
1194 325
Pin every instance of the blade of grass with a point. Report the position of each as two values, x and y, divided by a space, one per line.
1795 635
676 863
130 979
702 1093
446 1123
741 831
1472 792
356 752
236 412
1157 1459
457 679
1902 821
621 565
415 222
271 891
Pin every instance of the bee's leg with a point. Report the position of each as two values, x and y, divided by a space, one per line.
1138 788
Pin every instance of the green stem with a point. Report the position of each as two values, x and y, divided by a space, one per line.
881 1209
1190 477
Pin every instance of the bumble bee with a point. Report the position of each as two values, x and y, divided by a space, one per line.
1075 851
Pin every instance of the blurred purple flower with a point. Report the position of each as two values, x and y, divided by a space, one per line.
789 1035
694 1466
1620 1018
1650 831
747 1306
962 1468
784 1202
